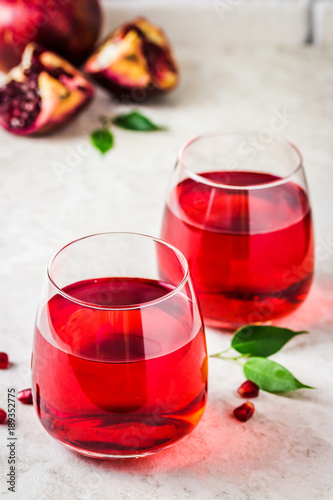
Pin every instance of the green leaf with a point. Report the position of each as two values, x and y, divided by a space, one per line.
271 376
264 341
102 139
136 121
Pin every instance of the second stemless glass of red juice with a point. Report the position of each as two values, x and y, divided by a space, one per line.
239 210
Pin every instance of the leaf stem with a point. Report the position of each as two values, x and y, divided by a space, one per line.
105 121
230 358
219 354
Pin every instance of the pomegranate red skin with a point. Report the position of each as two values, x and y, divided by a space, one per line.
123 93
67 27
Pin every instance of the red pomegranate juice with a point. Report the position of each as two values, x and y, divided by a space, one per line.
122 381
250 251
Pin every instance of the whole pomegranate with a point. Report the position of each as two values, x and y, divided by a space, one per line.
135 62
67 27
41 94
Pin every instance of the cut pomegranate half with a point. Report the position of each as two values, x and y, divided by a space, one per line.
135 62
41 94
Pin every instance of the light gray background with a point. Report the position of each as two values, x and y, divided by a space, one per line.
286 450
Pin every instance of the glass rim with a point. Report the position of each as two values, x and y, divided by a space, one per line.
200 178
90 305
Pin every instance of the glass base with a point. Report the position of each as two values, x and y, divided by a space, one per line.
229 327
103 456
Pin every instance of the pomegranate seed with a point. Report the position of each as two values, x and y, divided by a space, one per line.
17 96
3 416
4 362
248 390
25 397
244 412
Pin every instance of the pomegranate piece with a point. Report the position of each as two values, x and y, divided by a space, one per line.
41 94
4 361
69 28
3 416
135 62
244 412
248 390
25 396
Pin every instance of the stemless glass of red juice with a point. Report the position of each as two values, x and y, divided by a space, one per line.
119 362
238 209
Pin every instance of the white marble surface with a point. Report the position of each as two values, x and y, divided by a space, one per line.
323 23
273 22
286 450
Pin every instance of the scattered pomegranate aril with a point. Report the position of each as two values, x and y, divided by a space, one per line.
135 62
4 361
69 28
42 94
25 397
248 390
3 416
244 412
